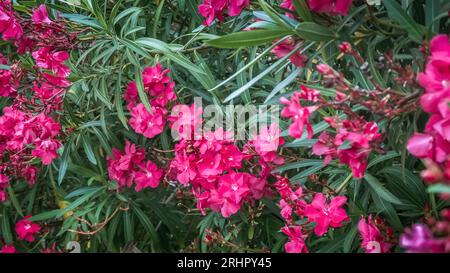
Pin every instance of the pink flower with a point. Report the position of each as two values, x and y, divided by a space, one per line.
236 7
352 144
296 243
30 173
186 121
8 249
325 215
145 123
182 166
40 15
4 183
148 176
131 95
325 146
419 239
46 150
52 60
266 143
26 229
332 7
372 241
345 47
421 145
121 165
285 47
212 9
9 26
56 80
286 210
287 4
232 190
298 113
257 186
158 85
284 189
436 78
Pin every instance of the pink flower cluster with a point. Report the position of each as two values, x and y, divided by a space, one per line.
373 240
212 9
26 229
354 141
300 114
130 166
322 213
27 129
210 164
434 144
161 91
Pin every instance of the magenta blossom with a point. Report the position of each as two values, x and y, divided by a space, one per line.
9 26
332 7
40 15
326 215
419 239
8 249
296 243
298 113
232 190
372 241
148 176
212 9
285 47
145 123
26 229
52 60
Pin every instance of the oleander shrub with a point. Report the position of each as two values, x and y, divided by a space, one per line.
225 126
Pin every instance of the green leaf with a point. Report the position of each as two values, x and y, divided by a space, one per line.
380 190
439 188
12 196
310 31
141 90
45 215
6 229
388 210
397 13
432 9
73 205
64 162
88 150
382 158
302 10
145 221
247 38
299 164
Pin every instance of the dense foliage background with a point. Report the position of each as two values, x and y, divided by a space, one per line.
234 61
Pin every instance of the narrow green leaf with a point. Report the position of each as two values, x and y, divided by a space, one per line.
379 189
247 38
397 13
310 31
